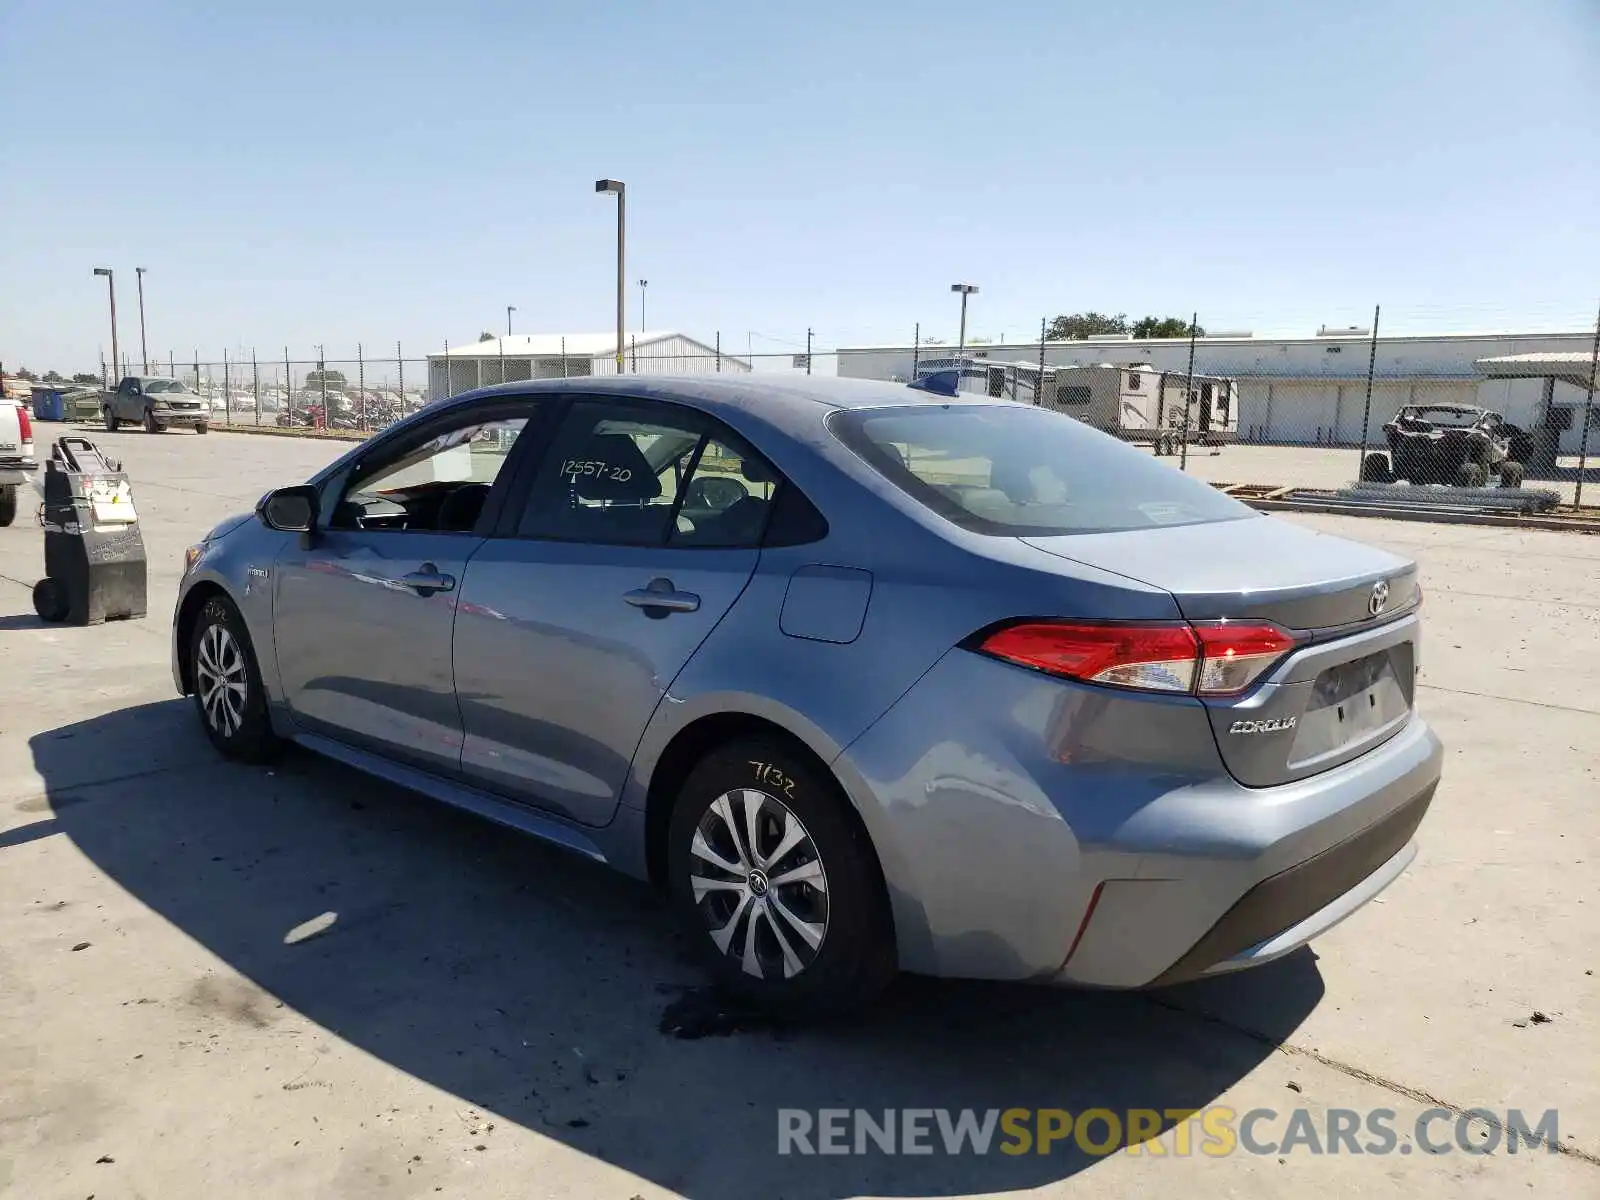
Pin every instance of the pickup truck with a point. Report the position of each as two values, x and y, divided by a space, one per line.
17 464
156 402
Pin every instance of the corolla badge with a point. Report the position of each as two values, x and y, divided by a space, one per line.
1270 725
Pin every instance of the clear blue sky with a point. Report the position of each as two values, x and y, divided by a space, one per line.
350 170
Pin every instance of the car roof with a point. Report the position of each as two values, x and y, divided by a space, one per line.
793 404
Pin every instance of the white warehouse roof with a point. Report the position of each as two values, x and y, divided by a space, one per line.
583 345
1570 366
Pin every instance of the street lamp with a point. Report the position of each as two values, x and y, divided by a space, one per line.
111 289
643 283
510 308
616 188
144 351
966 289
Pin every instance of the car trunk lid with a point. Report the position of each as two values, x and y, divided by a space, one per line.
1349 684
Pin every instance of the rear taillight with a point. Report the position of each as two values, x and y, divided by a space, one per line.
1220 659
24 425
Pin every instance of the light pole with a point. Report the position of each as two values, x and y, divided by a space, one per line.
616 188
144 351
111 290
510 308
643 283
966 289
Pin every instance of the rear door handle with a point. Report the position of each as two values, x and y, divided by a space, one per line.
660 594
428 580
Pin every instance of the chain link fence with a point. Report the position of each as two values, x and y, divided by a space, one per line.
1325 411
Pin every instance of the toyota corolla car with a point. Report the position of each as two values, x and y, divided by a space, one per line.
863 677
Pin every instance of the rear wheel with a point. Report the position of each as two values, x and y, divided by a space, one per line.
1375 469
228 695
8 505
1471 475
50 600
110 419
777 883
1511 474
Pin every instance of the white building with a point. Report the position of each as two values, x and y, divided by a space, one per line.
570 355
1313 389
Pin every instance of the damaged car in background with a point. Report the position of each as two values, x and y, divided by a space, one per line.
1450 443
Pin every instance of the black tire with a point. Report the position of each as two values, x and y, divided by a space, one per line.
242 730
1512 474
202 427
1375 469
50 600
151 425
1472 475
854 958
110 419
8 505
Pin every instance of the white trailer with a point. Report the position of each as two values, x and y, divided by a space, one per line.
1138 403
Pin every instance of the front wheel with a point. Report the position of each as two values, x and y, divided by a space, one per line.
777 883
151 425
202 427
228 694
1512 474
1472 475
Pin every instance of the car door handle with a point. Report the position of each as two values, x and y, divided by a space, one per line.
428 580
660 594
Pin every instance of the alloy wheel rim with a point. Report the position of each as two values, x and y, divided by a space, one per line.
221 680
759 883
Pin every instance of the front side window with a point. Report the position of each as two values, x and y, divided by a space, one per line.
438 485
1024 471
621 473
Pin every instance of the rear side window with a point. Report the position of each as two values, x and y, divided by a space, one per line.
1015 470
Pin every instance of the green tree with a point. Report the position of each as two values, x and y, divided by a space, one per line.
85 377
486 336
1074 327
54 377
1164 327
24 373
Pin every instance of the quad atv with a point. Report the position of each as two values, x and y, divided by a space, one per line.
1449 443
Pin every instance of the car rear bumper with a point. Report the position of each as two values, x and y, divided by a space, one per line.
15 471
1061 833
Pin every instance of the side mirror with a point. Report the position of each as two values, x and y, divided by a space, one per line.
289 509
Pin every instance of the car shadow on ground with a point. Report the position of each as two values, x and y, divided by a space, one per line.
537 987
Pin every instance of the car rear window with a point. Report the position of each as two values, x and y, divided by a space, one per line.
1017 471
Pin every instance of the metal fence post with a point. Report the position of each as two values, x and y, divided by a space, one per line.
197 369
172 367
1366 414
563 356
1044 327
1188 395
633 351
227 398
449 383
916 349
719 351
255 383
288 390
808 350
361 386
400 370
1588 404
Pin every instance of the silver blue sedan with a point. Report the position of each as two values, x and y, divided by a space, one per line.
864 678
